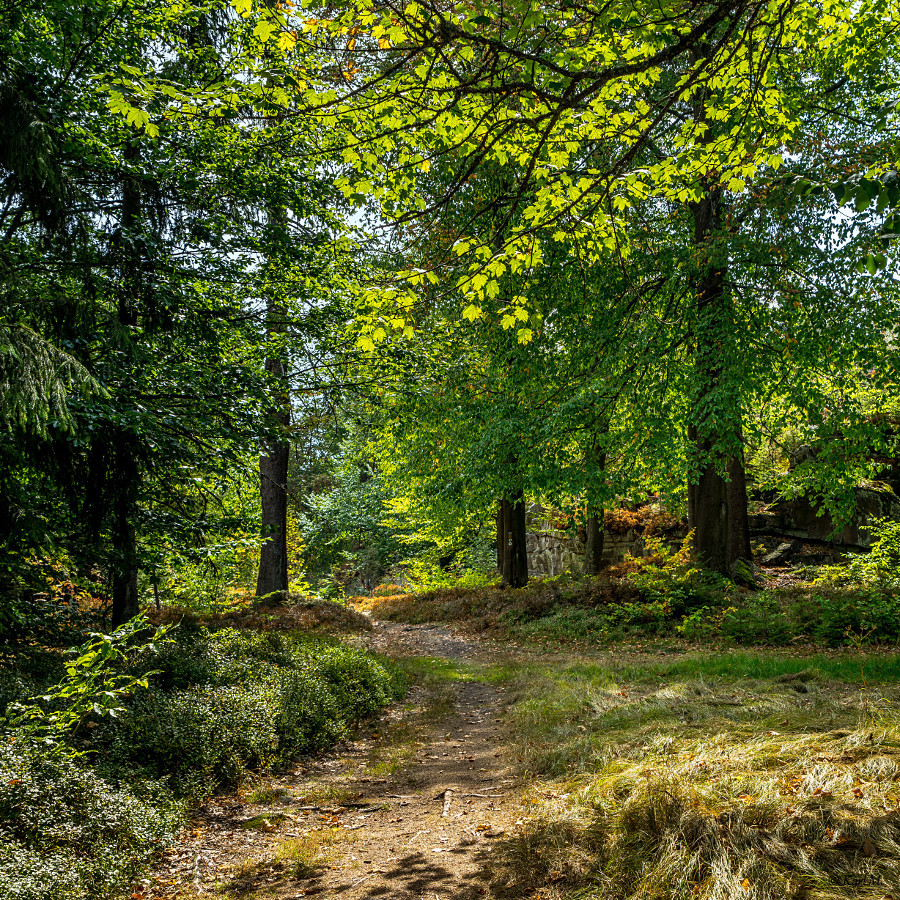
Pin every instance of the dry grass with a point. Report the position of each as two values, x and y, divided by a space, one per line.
266 791
492 608
298 613
708 790
322 792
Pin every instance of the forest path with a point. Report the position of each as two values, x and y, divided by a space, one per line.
409 809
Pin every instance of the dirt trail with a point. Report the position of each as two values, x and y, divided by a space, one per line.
410 810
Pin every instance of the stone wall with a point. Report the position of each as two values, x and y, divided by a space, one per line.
801 520
554 552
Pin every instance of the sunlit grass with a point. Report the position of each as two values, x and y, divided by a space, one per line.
306 855
712 778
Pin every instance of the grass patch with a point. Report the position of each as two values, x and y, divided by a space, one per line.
709 777
264 822
266 792
322 792
431 670
305 856
848 668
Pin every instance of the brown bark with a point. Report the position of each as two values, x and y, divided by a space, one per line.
708 516
125 571
512 534
594 526
501 537
124 474
738 520
273 561
594 541
717 503
273 464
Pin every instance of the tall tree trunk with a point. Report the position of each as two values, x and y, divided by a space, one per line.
717 501
501 536
708 514
594 542
738 519
273 561
519 542
124 577
511 522
124 472
273 464
594 526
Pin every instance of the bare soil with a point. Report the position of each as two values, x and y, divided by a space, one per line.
411 808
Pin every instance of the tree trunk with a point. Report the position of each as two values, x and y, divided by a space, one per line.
514 547
501 537
124 577
124 474
506 567
708 515
593 548
717 503
273 560
519 543
594 526
273 465
738 520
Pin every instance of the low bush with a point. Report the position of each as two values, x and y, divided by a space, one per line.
67 834
832 616
218 705
227 702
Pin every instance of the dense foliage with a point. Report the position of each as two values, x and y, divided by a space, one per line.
89 798
317 297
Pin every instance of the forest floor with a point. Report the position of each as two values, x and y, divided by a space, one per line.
411 808
547 772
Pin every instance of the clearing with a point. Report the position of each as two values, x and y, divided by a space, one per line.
529 772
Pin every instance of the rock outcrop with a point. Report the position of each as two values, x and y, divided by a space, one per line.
802 520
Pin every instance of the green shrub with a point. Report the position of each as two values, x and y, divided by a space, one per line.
702 623
201 737
831 616
233 701
66 834
760 619
678 581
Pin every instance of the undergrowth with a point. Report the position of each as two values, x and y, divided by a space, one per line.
652 602
97 772
226 702
667 594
